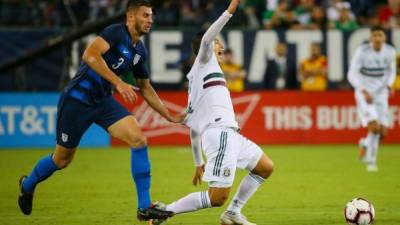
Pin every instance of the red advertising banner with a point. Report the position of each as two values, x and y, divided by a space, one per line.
273 118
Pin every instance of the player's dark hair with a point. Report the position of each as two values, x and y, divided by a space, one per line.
135 4
196 41
377 28
228 51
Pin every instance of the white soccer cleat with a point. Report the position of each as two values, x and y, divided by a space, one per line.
372 168
231 218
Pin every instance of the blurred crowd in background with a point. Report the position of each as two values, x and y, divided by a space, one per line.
252 14
282 71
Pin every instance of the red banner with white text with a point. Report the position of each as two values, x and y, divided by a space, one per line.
284 117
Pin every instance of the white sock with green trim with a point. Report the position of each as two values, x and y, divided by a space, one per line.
247 188
191 202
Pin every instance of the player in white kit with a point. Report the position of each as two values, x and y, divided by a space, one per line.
211 117
372 73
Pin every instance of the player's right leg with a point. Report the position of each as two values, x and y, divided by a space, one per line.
368 115
44 168
73 119
260 167
372 140
127 129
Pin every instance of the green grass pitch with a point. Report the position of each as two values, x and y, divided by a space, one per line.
310 186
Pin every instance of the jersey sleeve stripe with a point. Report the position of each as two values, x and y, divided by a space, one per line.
213 75
213 83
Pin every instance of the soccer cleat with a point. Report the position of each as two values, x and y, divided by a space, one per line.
24 199
153 213
231 218
372 168
161 206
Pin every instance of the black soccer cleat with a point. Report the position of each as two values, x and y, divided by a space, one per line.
153 213
24 199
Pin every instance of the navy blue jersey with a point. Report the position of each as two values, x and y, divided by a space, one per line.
122 58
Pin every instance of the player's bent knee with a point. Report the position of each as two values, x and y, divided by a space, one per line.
136 141
267 170
218 201
264 167
63 156
63 163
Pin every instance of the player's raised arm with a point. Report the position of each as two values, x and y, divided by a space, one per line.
206 50
93 57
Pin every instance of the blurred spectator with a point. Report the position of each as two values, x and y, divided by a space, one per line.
213 9
191 13
234 72
15 12
101 8
389 14
281 70
280 18
167 14
345 23
253 10
335 7
363 11
73 13
318 19
312 72
303 11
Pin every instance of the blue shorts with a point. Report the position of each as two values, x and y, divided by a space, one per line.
75 117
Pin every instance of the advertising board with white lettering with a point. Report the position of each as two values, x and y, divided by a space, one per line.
29 120
285 117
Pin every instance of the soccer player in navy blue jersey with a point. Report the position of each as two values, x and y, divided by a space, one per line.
87 99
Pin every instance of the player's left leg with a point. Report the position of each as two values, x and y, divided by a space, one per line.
215 196
380 129
122 125
260 167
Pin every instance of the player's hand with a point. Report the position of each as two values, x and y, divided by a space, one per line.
198 175
127 91
233 6
178 118
367 96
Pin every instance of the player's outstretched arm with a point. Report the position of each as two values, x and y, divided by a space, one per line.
206 50
151 97
93 57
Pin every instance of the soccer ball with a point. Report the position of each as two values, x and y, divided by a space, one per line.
359 212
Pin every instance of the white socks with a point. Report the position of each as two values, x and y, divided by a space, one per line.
372 142
247 187
201 200
191 202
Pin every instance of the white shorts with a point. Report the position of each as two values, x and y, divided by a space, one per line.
377 111
226 150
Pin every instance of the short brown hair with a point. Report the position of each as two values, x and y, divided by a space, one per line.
377 28
135 4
